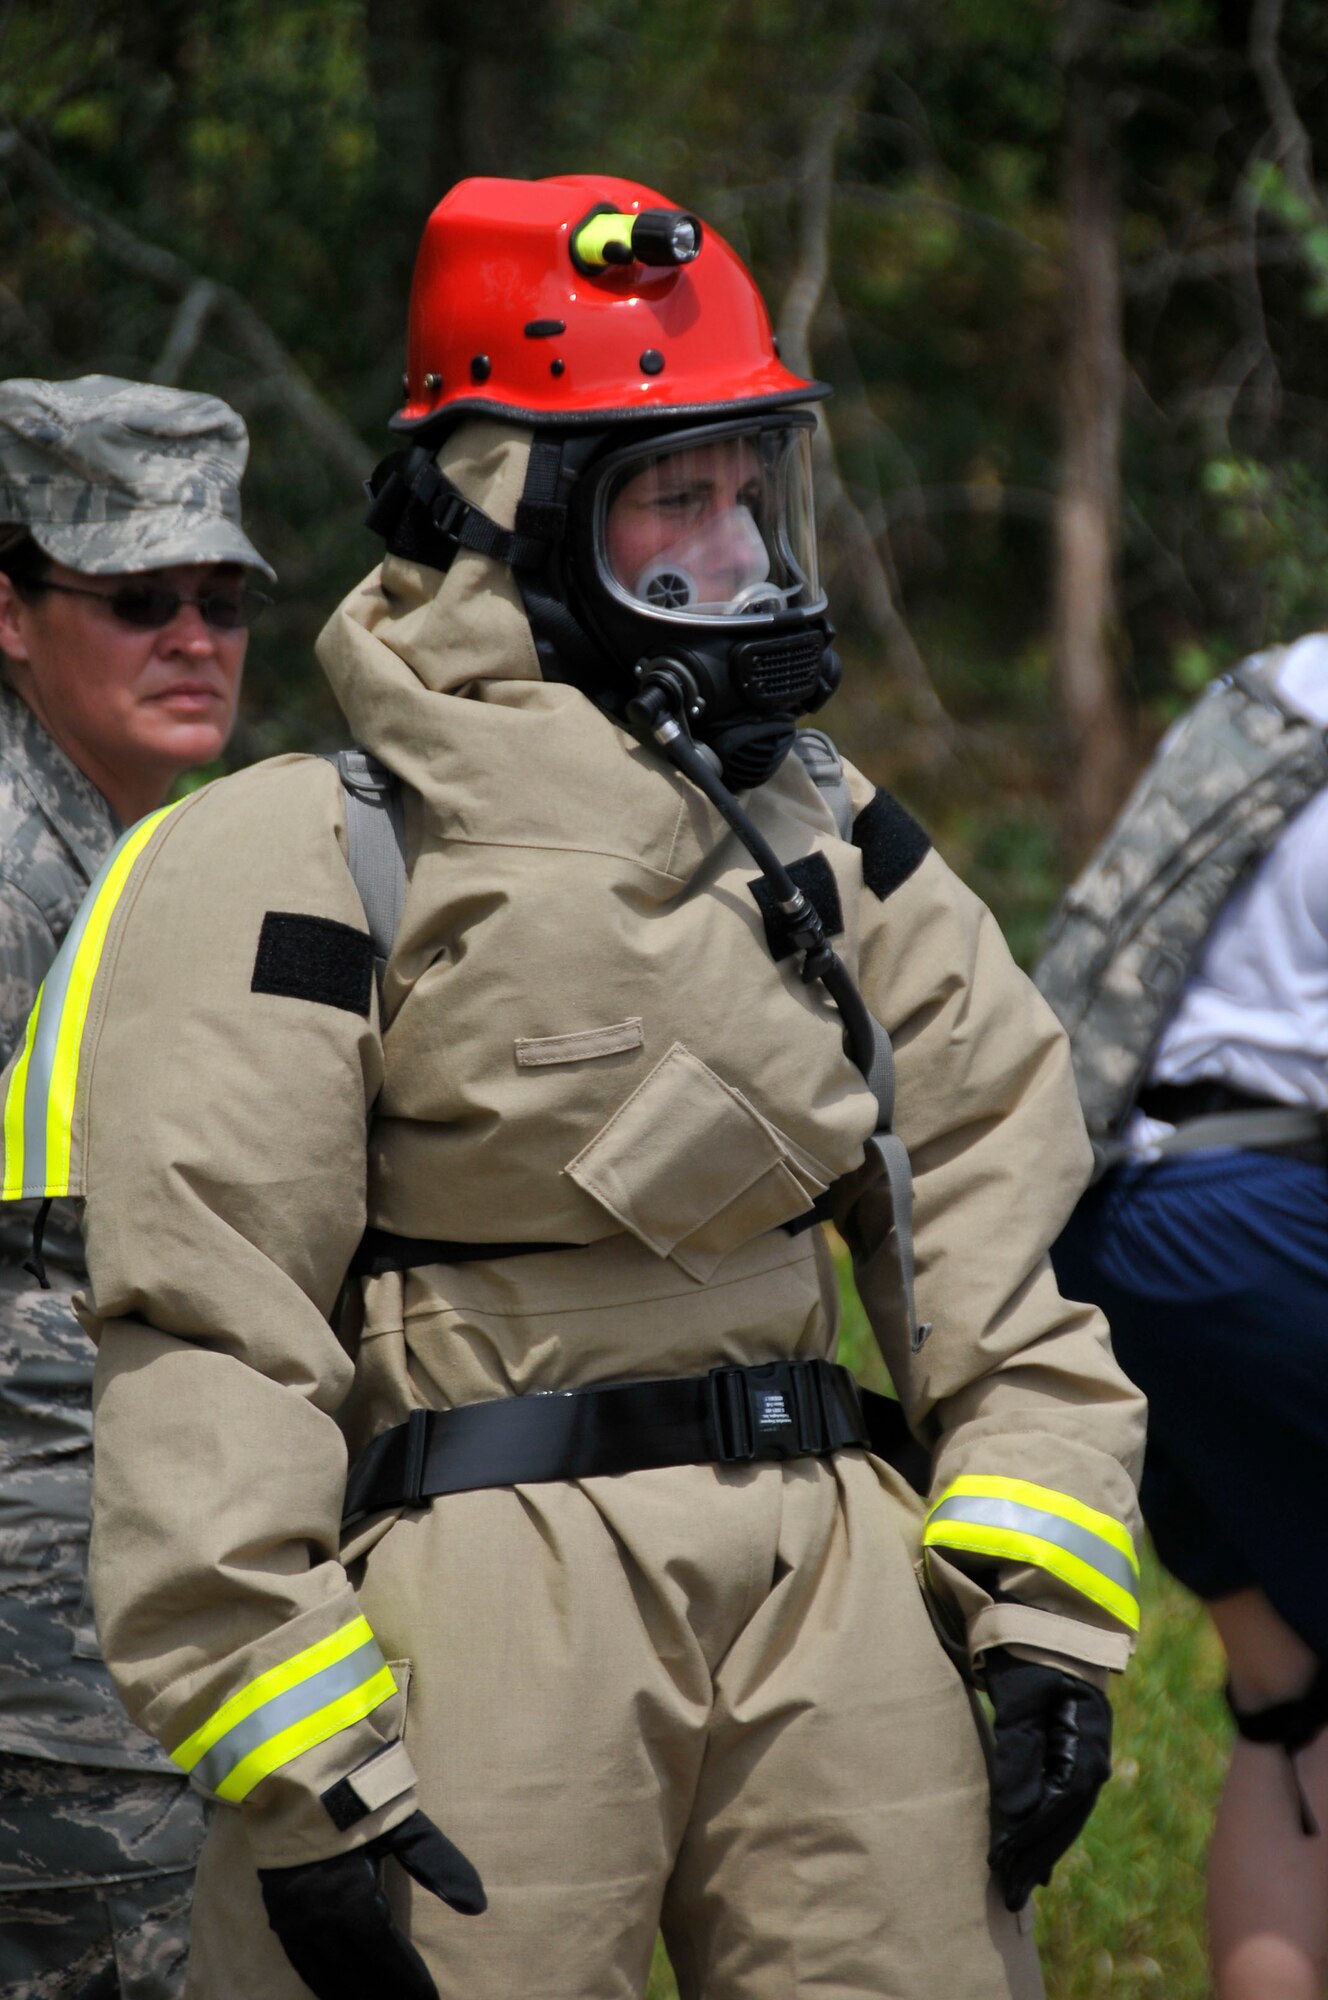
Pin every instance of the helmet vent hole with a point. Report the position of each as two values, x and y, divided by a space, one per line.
544 329
557 367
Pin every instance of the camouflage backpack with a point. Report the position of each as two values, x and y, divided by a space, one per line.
1224 784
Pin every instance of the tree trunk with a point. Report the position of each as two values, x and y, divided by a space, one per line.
1087 523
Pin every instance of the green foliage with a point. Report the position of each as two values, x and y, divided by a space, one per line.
291 149
1192 668
857 1346
1273 523
1271 191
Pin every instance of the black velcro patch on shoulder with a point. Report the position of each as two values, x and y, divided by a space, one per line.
892 844
314 958
816 879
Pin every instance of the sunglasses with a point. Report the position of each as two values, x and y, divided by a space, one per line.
148 607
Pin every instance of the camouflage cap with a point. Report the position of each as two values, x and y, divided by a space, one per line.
111 476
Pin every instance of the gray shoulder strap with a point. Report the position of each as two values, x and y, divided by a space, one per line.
376 848
825 767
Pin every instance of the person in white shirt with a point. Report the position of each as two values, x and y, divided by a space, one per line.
1212 1267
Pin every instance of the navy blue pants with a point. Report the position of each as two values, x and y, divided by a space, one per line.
1213 1272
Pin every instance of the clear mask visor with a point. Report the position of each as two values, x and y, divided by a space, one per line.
713 529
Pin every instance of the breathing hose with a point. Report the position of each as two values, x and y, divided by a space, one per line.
654 713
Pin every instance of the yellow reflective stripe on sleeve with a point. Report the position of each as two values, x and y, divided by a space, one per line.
15 1099
300 1736
323 1653
303 1701
1014 1520
1044 1499
39 1104
1016 1547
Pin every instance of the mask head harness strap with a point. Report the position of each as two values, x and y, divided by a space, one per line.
422 517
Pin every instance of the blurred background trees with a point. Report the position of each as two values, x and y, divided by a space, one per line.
1065 263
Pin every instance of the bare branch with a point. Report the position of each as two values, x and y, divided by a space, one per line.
287 380
1292 142
186 331
730 200
1085 606
1227 257
816 176
1029 503
17 324
910 118
856 419
1250 374
954 211
842 518
1253 357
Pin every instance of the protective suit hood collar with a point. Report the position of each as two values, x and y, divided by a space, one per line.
408 633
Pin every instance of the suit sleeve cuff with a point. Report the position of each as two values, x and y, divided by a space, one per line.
1033 1634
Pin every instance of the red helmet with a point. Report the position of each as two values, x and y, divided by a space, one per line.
583 299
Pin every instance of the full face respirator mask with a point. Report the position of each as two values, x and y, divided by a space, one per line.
680 566
692 561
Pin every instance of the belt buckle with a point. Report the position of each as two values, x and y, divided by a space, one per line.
771 1410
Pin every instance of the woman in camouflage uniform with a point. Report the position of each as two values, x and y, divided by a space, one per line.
121 630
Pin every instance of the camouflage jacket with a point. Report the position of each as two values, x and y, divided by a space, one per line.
1217 796
56 1698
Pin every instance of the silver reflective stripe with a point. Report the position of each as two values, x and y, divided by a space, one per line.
295 1705
1013 1516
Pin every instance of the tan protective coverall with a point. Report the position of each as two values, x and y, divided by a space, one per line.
706 1696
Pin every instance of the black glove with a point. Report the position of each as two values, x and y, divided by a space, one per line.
1052 1757
334 1922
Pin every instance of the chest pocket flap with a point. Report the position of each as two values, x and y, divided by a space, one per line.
691 1167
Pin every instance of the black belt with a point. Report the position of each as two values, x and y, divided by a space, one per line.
1177 1103
732 1416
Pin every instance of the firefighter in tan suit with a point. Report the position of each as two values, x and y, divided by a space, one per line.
624 1601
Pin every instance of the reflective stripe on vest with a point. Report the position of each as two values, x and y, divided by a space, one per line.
1020 1522
287 1710
39 1104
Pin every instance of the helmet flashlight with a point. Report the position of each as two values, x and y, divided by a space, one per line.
658 236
